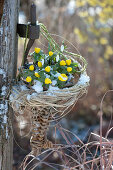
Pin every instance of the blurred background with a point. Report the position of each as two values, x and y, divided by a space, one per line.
88 25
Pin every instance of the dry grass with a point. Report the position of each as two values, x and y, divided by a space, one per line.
94 155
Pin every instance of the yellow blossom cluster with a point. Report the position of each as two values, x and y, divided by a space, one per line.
46 69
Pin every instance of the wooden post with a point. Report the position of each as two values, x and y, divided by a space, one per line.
8 66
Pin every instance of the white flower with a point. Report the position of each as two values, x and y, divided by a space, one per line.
62 48
54 82
42 61
57 58
47 76
56 75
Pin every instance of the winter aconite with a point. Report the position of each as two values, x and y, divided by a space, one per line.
37 50
39 64
31 67
68 62
69 69
62 63
28 79
50 53
63 77
48 81
37 75
47 69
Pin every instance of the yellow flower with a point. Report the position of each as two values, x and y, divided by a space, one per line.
76 31
39 64
63 77
80 3
37 50
103 41
47 69
101 60
28 79
69 69
93 3
48 81
62 63
106 56
50 53
90 49
109 50
68 62
31 67
37 75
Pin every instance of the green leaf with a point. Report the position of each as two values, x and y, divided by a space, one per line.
62 69
42 79
46 85
52 77
35 57
60 83
54 68
53 72
41 73
49 47
74 64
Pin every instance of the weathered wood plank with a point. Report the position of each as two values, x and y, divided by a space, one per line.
1 9
8 65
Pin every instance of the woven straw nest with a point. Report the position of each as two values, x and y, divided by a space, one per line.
59 101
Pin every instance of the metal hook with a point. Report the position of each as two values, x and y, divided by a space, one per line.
32 29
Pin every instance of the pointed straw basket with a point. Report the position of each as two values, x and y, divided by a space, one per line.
48 106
